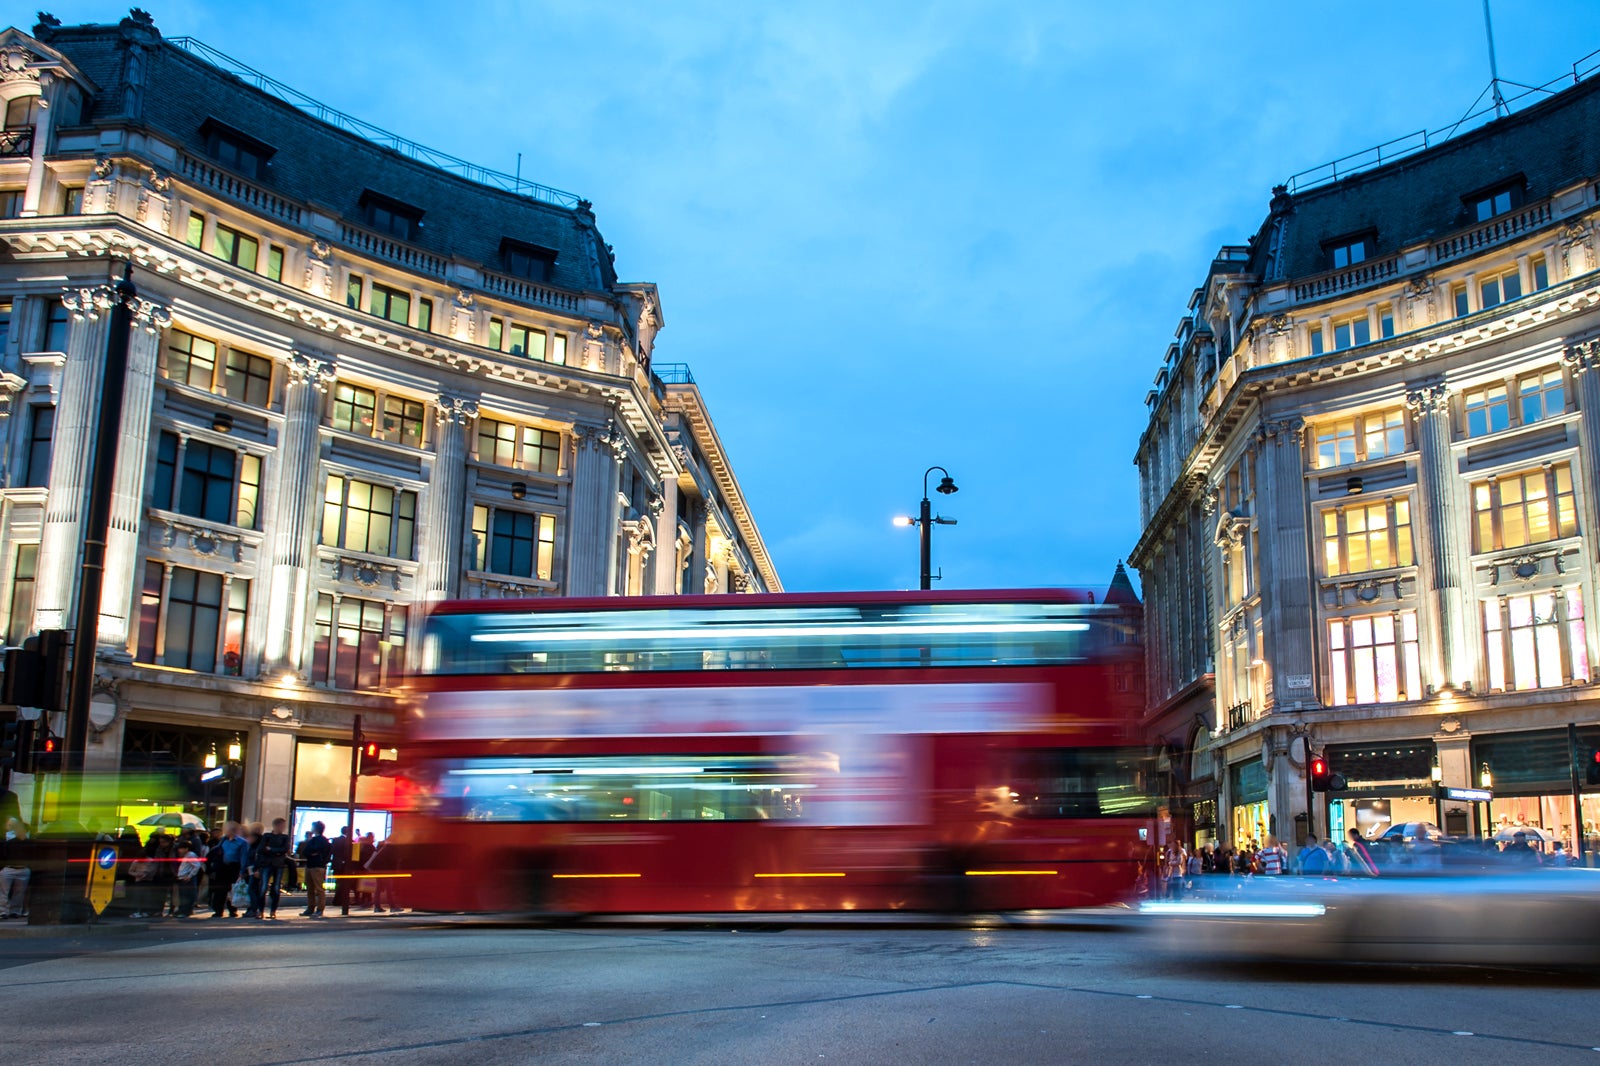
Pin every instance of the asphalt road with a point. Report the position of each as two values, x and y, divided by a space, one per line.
413 991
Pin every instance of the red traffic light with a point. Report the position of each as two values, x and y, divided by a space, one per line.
49 746
370 751
1319 767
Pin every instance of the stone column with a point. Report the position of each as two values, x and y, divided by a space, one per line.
127 492
41 139
592 534
1443 547
273 790
308 378
1584 363
1286 577
77 409
442 517
665 573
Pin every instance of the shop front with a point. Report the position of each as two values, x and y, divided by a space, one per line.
175 775
1532 777
1248 820
1387 784
322 792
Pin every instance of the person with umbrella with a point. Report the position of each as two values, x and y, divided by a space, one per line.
1519 852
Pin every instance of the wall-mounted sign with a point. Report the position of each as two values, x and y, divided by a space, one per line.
1469 795
1292 681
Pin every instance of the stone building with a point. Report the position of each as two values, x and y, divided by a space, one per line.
365 376
1371 495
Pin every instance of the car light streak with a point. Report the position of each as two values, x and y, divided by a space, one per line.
1010 873
1236 910
592 877
803 874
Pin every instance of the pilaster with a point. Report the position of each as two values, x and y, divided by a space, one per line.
442 532
1449 660
666 568
592 543
1286 584
307 379
127 493
1583 362
60 540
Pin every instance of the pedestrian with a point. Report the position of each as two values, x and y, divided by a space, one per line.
14 871
343 868
385 871
190 864
1272 859
273 859
1308 852
142 889
314 853
1360 856
1520 852
1559 857
368 845
254 873
1208 858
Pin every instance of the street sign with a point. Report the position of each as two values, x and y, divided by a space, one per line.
1469 795
1297 681
102 876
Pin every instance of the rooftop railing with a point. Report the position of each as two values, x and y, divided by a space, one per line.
673 373
377 135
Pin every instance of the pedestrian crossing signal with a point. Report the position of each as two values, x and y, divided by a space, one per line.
1321 779
1594 767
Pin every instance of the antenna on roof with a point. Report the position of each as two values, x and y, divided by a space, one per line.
519 154
1494 70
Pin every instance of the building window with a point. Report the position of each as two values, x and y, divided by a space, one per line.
355 410
527 260
11 201
248 378
352 292
72 200
1542 396
1352 332
390 216
1488 410
425 315
1349 252
195 235
1235 573
520 447
234 149
192 620
58 321
1487 205
5 324
1524 508
24 571
514 542
1378 435
1499 288
377 519
392 304
360 644
1374 659
1386 320
234 247
1535 640
1371 536
274 262
1540 271
1458 298
497 331
191 360
41 430
207 481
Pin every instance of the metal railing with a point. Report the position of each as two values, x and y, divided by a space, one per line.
1400 147
673 373
376 134
1241 715
15 142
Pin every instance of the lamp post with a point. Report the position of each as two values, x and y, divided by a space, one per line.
926 520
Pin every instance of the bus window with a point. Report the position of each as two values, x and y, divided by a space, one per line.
1081 783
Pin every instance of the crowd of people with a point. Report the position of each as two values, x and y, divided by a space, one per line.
239 870
1179 870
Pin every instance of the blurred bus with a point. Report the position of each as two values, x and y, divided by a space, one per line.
882 751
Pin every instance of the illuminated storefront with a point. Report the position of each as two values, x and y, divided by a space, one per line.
1248 818
1386 784
322 791
1533 776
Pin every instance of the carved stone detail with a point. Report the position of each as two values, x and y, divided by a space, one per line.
1425 398
307 369
1582 357
455 410
16 64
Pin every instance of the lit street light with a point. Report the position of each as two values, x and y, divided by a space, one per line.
926 520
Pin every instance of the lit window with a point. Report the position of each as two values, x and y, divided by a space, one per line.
356 410
274 262
425 315
1488 410
352 292
1377 435
191 360
24 571
198 624
402 421
496 334
1542 396
521 447
1536 640
517 543
360 516
248 378
360 644
1525 508
196 231
1374 659
392 304
1499 288
1372 536
235 247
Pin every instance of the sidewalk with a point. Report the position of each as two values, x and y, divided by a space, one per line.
119 925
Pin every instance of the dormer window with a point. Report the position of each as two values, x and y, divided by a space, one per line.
529 261
391 216
1349 250
1494 201
235 149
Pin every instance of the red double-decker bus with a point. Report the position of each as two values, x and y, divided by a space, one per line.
784 752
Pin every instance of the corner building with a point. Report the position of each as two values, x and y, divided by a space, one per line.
364 377
1370 490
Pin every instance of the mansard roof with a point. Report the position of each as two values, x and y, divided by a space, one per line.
1548 146
149 81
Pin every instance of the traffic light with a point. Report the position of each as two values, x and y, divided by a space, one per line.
47 754
1321 778
10 736
1594 767
36 673
372 763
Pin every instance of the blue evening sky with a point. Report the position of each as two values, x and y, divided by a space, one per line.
890 235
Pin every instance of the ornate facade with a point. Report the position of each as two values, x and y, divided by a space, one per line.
361 381
1371 503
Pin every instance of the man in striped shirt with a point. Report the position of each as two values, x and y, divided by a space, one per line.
1272 858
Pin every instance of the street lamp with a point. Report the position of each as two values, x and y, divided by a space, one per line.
926 520
1485 778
